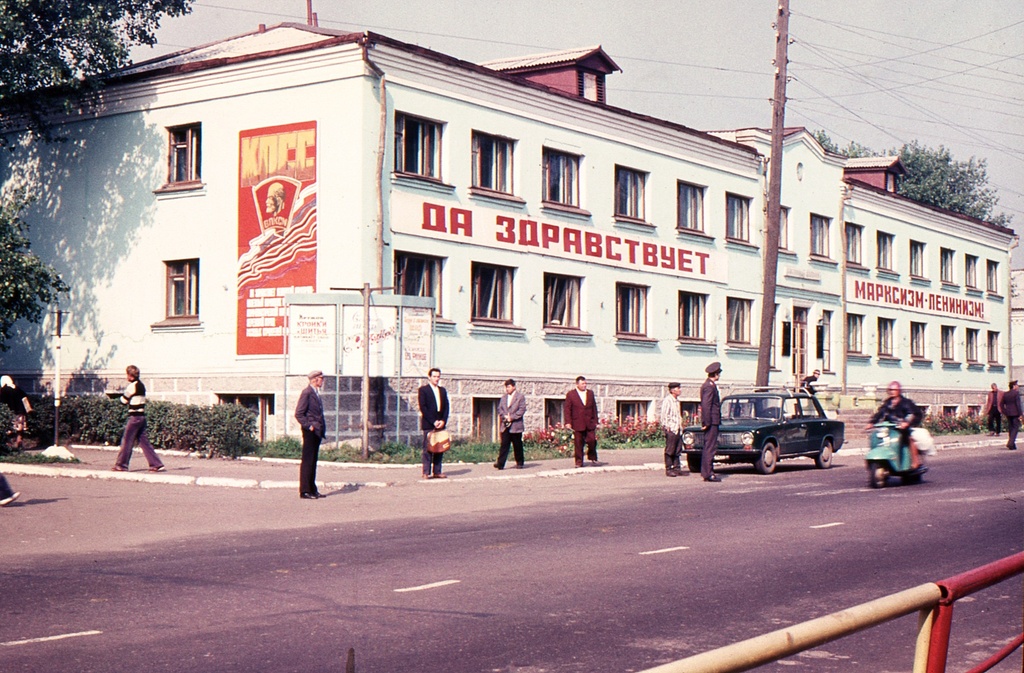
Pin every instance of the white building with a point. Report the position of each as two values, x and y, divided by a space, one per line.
201 194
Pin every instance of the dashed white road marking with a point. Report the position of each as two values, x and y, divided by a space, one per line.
662 551
27 641
829 525
432 585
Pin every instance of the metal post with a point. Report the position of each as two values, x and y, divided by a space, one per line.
365 404
56 381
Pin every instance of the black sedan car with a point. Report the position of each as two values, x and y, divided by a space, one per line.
762 428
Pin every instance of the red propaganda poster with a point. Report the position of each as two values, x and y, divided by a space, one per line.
276 230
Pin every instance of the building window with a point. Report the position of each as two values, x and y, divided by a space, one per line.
492 163
918 341
917 259
946 257
738 318
261 405
554 411
992 277
184 157
824 346
561 178
627 409
492 293
993 347
819 236
485 419
972 345
948 342
691 315
183 288
417 146
971 271
737 217
418 276
884 242
783 228
886 326
562 301
854 333
691 207
631 309
854 244
629 193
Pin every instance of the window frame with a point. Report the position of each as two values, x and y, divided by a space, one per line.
971 271
184 154
425 143
561 182
496 165
947 258
742 310
623 407
884 244
630 193
855 333
694 203
500 290
992 276
948 343
854 244
784 229
820 230
886 335
737 214
823 349
971 338
182 285
433 268
691 320
572 287
918 340
992 347
630 310
917 259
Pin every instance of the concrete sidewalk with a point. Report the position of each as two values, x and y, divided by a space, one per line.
185 468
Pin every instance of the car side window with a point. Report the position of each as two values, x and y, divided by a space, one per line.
792 407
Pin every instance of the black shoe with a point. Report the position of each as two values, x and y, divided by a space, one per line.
498 467
519 467
671 473
713 477
318 494
308 496
597 463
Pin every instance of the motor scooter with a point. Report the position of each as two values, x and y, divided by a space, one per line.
887 458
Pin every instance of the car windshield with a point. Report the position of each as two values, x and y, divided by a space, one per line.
752 408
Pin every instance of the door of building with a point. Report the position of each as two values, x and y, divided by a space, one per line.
799 344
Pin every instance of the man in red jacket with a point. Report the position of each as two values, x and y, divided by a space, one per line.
581 416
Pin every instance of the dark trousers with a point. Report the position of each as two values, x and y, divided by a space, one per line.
310 454
135 431
672 449
581 437
995 421
431 461
5 489
707 456
1012 427
514 439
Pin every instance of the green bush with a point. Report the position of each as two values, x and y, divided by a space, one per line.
960 424
7 437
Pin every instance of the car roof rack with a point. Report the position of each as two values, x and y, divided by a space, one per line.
774 389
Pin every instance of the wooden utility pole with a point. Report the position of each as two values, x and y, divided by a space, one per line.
771 236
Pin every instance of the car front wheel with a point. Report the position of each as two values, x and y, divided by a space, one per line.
824 458
693 462
765 463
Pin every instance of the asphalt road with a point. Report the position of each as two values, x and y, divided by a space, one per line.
607 572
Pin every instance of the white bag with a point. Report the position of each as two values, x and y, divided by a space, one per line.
923 439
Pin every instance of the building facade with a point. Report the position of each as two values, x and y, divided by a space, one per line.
201 197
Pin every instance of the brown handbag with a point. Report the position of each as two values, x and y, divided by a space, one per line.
438 441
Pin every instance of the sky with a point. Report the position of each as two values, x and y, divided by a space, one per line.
881 73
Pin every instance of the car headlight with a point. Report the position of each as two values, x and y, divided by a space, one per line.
687 439
747 438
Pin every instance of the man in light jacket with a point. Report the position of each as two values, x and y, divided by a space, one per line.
511 409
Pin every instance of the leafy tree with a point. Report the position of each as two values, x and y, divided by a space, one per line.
27 284
934 177
51 50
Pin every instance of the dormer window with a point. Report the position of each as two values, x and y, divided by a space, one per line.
578 72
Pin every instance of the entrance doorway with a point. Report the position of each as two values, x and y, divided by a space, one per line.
799 344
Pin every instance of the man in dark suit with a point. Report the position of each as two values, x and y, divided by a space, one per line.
511 409
1010 407
581 416
309 412
433 401
710 419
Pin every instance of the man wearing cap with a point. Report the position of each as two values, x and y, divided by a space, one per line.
1010 407
309 412
710 419
672 422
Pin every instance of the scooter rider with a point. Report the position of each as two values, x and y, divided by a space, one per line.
905 414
